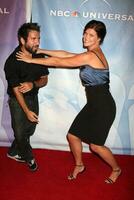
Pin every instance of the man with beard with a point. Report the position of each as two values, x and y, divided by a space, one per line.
24 81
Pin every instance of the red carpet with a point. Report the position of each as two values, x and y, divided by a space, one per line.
50 181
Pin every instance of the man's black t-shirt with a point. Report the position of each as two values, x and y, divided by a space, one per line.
18 72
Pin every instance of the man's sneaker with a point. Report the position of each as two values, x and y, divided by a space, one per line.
15 157
32 165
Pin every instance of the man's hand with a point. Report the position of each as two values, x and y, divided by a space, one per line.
32 116
25 87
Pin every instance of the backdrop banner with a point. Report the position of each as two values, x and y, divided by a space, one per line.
12 15
60 101
62 25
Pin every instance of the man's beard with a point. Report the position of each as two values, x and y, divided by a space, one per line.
31 49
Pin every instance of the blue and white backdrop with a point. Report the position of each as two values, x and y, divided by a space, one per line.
62 23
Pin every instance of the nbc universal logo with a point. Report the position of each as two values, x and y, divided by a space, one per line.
88 9
4 11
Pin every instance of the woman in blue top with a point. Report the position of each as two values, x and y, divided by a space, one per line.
94 121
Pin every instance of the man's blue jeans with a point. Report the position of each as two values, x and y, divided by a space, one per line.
22 127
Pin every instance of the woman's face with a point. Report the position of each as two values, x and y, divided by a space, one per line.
90 38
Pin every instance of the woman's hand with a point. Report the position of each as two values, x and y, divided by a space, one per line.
23 57
25 87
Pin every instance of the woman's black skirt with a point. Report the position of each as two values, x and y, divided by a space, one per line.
93 122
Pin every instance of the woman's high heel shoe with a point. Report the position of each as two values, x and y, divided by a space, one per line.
81 169
110 180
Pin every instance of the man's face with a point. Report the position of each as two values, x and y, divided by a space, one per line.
33 41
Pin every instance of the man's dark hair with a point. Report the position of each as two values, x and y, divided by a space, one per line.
24 30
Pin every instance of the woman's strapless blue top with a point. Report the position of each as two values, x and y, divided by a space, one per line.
91 76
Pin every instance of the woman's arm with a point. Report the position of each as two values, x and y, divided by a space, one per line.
69 62
27 86
56 53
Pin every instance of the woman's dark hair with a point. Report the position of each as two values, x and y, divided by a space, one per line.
99 27
24 30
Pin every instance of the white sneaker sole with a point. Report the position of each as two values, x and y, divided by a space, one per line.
13 158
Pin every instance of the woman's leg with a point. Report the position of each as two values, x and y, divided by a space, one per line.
108 157
76 148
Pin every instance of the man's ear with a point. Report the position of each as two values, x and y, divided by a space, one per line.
22 41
